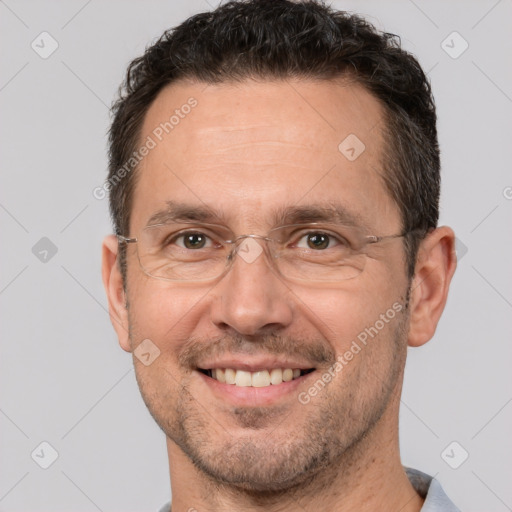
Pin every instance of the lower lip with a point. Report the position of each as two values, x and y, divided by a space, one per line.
248 395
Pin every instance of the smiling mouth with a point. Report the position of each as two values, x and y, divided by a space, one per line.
258 379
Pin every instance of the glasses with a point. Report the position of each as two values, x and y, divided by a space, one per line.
314 252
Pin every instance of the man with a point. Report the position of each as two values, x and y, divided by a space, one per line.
274 176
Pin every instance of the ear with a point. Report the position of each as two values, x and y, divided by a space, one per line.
435 266
113 283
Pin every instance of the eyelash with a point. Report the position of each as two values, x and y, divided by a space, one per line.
173 238
181 236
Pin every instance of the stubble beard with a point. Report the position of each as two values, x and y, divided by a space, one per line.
268 459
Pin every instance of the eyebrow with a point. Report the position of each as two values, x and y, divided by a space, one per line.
330 212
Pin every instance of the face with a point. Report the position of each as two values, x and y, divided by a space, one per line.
249 153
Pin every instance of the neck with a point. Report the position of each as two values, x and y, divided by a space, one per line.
368 477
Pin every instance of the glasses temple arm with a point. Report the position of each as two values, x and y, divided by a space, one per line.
125 240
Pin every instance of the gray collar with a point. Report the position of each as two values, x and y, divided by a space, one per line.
426 486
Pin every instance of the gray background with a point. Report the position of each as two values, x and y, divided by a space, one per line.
63 378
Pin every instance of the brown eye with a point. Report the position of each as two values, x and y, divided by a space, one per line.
318 241
192 240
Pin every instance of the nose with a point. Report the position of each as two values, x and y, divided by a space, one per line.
251 298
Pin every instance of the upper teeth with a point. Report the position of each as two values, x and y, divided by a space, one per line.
255 379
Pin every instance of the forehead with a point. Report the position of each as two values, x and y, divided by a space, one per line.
251 148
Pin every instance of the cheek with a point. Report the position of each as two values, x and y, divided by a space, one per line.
362 324
164 313
344 316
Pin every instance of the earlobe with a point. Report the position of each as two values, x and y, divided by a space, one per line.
435 267
113 283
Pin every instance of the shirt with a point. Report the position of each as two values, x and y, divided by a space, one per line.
426 486
430 489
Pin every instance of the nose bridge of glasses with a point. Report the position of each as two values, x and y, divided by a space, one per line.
236 241
248 247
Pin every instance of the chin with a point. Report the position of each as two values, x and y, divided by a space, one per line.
266 465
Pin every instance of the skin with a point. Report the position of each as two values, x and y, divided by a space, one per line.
245 150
